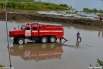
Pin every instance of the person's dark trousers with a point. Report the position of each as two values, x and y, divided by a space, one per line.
100 19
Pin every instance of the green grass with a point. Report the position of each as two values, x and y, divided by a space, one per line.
20 0
34 6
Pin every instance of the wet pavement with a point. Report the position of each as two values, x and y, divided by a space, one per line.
69 55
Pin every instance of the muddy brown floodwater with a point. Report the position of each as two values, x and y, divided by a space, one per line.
70 55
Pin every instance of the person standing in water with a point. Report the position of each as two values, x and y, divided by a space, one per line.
78 35
100 17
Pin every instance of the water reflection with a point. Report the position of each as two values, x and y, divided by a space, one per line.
75 46
37 51
79 39
100 33
78 42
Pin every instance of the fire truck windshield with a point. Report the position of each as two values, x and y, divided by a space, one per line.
22 27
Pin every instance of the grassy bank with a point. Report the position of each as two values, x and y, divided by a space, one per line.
34 6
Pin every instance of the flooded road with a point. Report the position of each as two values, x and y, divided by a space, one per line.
70 55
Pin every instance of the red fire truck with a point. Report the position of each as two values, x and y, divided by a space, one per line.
37 32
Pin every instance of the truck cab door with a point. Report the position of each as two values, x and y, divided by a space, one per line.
35 31
27 32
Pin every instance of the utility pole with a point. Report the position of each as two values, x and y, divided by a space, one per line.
7 32
6 21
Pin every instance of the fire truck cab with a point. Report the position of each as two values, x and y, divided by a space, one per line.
38 32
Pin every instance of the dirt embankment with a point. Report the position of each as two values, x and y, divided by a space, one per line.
51 18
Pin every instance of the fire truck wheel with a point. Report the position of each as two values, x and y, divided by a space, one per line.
52 39
20 41
44 39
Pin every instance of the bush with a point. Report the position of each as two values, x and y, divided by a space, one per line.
1 66
99 63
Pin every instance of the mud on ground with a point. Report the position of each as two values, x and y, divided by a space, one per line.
52 18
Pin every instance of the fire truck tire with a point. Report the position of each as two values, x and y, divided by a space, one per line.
44 39
20 41
52 39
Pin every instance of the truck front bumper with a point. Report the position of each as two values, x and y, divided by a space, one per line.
11 37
